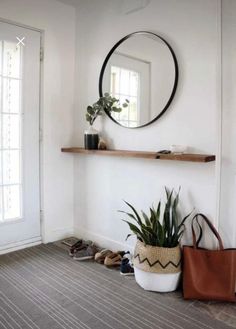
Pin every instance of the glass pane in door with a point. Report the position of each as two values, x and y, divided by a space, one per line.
10 131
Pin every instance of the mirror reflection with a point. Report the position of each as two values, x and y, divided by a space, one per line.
142 70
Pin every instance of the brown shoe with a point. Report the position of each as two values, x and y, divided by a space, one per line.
114 259
100 256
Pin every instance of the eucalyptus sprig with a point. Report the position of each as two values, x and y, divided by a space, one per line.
106 103
154 230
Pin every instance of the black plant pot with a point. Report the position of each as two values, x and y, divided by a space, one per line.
91 139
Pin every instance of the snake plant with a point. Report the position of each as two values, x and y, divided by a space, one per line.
157 229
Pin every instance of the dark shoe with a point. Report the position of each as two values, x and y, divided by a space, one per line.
74 246
80 244
126 268
86 253
123 253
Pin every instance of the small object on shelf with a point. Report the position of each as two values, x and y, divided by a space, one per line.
178 149
164 152
102 145
91 139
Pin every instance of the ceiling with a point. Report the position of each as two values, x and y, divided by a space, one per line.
70 2
128 6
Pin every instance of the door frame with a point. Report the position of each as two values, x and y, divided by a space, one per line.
34 241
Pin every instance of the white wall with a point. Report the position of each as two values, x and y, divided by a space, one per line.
58 22
102 182
228 174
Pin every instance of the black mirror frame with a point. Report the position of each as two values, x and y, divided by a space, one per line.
175 82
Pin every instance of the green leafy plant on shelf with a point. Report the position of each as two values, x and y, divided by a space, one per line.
106 103
156 231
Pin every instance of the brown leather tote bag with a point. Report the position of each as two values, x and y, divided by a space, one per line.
208 274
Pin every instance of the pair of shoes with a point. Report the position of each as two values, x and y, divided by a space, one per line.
101 255
114 258
88 252
126 267
80 244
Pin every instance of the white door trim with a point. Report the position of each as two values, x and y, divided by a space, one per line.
8 21
20 245
219 114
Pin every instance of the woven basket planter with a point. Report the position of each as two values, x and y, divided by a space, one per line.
157 268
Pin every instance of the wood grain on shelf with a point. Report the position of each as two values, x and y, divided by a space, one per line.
143 154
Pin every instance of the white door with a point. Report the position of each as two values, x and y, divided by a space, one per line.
19 136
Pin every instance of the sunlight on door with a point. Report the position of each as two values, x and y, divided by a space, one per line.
10 127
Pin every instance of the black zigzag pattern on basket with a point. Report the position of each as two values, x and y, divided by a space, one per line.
157 262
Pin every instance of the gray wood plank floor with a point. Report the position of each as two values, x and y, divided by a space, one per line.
41 287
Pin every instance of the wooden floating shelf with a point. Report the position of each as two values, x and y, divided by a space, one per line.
143 154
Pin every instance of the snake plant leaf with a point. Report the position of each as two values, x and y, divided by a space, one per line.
158 211
135 230
130 215
176 238
160 234
184 219
148 235
167 220
175 217
167 193
169 200
174 226
145 216
128 236
148 229
153 215
135 212
154 219
176 200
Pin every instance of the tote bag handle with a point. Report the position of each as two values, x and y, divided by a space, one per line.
212 228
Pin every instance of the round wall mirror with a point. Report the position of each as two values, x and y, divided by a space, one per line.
141 68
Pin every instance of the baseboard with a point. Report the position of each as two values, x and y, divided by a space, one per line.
101 240
20 245
58 234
